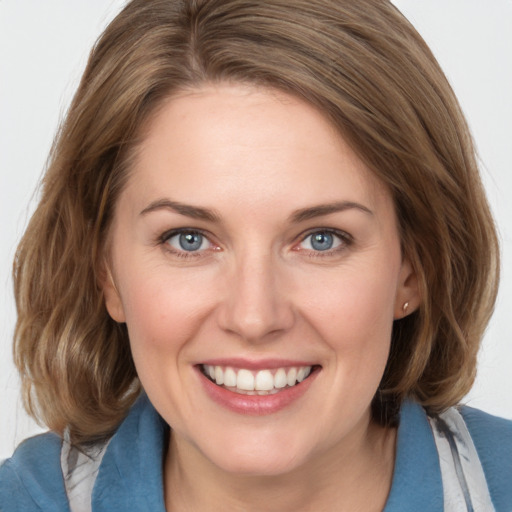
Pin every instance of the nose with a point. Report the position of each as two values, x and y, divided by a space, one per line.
255 306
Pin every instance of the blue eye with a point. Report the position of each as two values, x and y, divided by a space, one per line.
189 241
322 241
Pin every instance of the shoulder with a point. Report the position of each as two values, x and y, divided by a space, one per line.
481 424
492 437
31 480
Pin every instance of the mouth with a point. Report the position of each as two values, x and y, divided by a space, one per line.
262 382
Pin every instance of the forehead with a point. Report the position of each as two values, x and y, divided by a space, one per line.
249 144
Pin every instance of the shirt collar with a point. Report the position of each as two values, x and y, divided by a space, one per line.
131 474
417 483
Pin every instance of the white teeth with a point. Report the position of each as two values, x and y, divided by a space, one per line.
280 379
219 376
230 378
291 377
263 382
303 373
244 380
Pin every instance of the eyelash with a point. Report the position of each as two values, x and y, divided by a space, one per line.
346 240
165 237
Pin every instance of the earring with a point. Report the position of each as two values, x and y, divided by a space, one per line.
405 307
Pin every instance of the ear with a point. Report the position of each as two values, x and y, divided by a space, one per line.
408 297
112 296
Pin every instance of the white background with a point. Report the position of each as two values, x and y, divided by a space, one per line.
43 50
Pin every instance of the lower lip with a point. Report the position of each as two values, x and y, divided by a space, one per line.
256 405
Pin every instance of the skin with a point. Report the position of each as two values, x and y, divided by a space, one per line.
258 289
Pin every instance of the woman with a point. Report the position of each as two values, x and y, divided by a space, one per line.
259 273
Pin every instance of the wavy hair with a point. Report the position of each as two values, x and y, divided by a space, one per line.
359 63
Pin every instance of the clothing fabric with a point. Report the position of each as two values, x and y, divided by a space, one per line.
127 471
464 484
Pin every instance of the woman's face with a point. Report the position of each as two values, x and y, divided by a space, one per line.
252 247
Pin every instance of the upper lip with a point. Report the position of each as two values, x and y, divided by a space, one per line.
260 364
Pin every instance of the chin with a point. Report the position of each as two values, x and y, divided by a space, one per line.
259 465
261 456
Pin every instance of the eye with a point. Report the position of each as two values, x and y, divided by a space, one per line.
321 241
188 241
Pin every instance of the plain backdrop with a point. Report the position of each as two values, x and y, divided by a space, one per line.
43 50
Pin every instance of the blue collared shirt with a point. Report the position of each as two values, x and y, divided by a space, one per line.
130 477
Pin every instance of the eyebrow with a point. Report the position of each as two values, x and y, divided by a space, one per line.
194 212
326 209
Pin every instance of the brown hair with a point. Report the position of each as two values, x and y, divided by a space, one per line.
361 64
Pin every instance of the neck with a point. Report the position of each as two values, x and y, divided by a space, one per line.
353 477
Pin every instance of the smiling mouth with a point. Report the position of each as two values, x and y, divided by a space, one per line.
262 382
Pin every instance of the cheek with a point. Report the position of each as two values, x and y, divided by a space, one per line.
352 301
162 312
353 314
